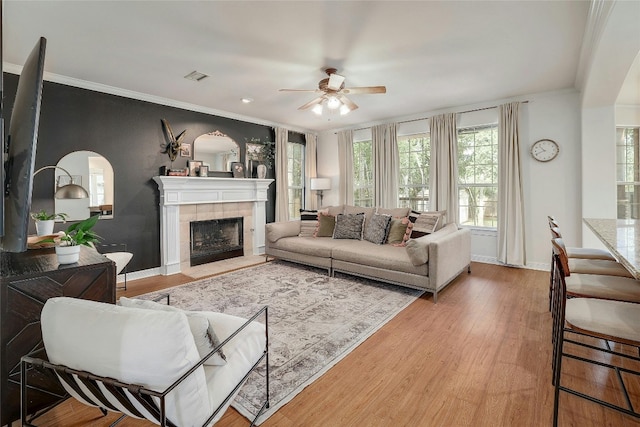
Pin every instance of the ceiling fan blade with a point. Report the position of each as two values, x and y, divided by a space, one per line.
310 104
346 101
369 89
335 82
300 90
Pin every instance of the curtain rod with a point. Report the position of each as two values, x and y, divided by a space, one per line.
459 112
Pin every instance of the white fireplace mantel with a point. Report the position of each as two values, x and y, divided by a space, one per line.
182 190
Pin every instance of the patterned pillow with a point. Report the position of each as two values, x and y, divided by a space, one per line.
349 226
326 224
376 229
426 222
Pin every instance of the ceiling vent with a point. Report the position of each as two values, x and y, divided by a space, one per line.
195 76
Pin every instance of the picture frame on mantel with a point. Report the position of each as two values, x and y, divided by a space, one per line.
238 169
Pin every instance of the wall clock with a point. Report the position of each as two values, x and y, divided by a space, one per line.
544 150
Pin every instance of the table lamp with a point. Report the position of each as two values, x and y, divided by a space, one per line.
319 185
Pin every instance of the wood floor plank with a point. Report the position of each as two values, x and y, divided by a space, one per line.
479 357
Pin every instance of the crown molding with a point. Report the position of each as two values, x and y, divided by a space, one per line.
111 90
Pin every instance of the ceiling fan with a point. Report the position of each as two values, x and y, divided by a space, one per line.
333 93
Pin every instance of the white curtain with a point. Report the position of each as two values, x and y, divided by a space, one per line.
511 240
443 176
385 165
310 162
345 162
282 175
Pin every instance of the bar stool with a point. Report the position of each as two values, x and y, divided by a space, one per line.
602 286
575 252
597 319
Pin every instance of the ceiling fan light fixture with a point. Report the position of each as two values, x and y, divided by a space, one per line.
344 110
317 109
333 103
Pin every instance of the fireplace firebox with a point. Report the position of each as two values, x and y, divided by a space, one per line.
216 239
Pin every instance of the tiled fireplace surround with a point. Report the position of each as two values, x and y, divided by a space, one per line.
186 199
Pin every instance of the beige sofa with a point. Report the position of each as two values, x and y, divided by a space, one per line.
430 262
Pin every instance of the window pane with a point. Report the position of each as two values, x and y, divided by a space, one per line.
627 173
478 176
414 154
295 175
362 174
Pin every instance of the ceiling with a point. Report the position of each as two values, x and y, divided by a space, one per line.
430 55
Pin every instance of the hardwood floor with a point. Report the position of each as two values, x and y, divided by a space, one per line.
481 356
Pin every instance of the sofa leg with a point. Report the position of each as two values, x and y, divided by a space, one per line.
469 269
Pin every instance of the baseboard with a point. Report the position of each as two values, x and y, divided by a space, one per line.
541 266
141 274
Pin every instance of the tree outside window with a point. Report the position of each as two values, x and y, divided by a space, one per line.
628 172
414 152
478 176
362 174
295 170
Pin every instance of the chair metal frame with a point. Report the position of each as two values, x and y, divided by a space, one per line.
144 396
562 333
122 247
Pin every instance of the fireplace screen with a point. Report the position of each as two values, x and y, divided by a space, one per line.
216 239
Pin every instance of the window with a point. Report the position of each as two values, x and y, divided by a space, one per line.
478 175
627 173
362 174
295 169
414 152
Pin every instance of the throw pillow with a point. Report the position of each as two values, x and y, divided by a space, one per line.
308 222
377 228
426 222
349 226
397 230
203 334
326 224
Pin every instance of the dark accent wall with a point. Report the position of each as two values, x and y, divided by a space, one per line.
128 133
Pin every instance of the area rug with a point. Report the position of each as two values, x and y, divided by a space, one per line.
314 320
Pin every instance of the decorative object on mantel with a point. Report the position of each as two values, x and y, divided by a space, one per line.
178 172
238 169
203 171
173 145
193 166
259 152
185 150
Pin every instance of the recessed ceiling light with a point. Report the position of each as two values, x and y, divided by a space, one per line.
247 100
196 76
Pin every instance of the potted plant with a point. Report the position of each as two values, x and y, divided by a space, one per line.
45 221
78 234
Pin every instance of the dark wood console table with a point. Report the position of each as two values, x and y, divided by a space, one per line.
28 279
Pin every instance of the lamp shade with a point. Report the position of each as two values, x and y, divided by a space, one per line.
71 191
320 184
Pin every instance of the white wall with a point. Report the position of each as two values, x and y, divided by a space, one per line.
550 188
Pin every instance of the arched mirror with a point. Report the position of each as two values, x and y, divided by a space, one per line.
216 150
95 174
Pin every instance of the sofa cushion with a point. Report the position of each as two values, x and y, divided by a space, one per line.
203 333
381 256
157 349
349 226
394 212
418 248
368 212
315 246
326 224
377 228
333 210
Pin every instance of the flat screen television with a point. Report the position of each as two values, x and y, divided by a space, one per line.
19 152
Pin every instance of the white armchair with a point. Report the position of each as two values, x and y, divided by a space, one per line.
148 363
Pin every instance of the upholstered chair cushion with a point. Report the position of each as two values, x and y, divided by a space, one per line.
597 266
154 349
203 332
